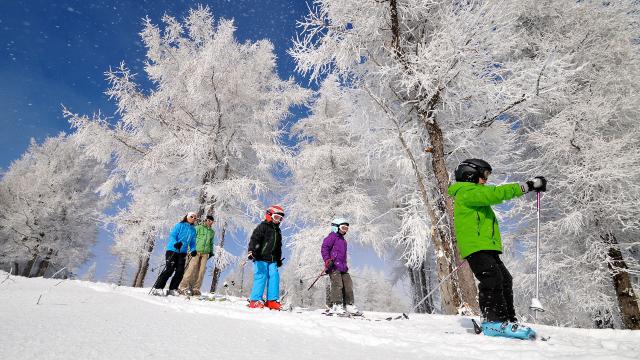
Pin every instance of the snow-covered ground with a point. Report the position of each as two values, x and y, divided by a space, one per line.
71 319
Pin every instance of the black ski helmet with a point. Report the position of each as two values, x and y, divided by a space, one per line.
471 170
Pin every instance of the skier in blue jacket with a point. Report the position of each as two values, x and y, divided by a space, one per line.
182 240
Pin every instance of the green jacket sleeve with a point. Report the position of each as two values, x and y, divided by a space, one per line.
489 194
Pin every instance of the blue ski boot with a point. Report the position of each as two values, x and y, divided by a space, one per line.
508 329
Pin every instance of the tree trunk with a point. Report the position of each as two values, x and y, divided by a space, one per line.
143 263
216 270
464 280
42 268
627 300
421 286
26 272
15 268
460 291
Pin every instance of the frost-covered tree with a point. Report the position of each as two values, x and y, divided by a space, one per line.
329 179
433 70
585 137
372 291
51 208
208 134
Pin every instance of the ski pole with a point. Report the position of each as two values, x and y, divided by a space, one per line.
317 278
440 283
536 305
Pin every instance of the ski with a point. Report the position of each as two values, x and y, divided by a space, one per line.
477 329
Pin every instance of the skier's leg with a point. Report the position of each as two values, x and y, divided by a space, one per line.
202 267
169 268
177 277
188 278
273 290
490 295
507 290
336 288
259 280
348 289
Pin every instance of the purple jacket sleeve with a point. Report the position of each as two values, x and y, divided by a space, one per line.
327 245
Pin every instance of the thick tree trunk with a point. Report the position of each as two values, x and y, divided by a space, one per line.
464 278
460 290
627 300
216 271
143 262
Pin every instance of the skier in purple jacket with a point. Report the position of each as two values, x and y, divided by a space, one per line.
334 254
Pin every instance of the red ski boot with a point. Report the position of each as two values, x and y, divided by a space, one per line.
273 305
256 304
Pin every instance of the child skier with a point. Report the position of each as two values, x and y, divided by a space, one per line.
479 243
334 254
265 249
182 239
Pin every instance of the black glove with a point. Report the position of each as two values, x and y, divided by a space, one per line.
210 255
250 255
194 253
279 262
539 183
177 245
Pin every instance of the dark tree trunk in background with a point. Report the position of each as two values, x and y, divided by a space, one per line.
627 300
420 279
216 270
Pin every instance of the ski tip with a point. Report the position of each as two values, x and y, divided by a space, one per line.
405 316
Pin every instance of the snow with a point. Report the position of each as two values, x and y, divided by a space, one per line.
72 319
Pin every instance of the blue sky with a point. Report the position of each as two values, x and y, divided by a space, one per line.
55 53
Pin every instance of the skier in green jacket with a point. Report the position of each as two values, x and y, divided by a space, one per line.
480 244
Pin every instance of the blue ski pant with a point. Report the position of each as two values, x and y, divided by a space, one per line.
265 274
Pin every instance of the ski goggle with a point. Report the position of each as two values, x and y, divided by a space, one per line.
343 227
277 217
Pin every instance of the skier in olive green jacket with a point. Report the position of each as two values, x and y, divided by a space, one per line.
194 274
479 241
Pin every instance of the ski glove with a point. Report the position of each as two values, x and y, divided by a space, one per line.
539 183
177 245
279 262
250 255
328 263
194 253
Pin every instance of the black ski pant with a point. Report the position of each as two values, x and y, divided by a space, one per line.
495 290
174 263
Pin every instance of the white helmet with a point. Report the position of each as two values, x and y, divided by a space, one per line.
335 223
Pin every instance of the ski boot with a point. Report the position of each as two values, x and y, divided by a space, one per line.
337 310
173 292
158 292
256 304
196 292
273 305
185 292
353 310
508 329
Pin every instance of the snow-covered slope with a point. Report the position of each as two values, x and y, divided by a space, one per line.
70 319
